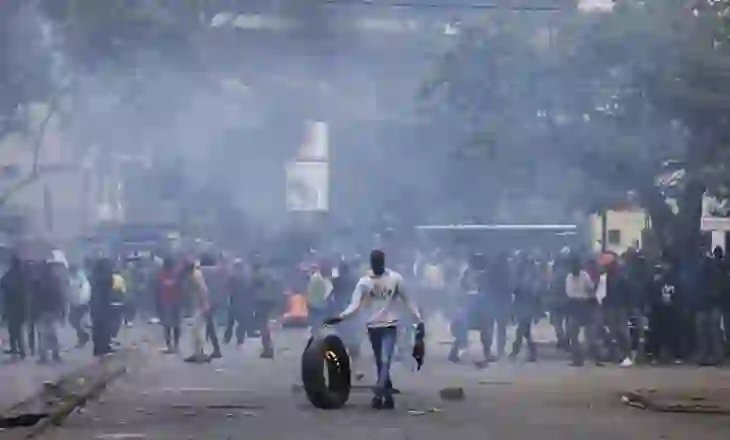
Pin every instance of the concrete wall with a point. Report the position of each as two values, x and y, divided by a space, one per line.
624 230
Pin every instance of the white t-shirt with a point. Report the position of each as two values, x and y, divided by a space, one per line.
381 298
579 286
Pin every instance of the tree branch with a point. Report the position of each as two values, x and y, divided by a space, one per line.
35 151
41 136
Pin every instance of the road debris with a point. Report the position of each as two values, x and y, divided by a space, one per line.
452 393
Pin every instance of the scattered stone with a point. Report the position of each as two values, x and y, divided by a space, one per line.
229 415
416 412
249 414
455 393
190 413
296 388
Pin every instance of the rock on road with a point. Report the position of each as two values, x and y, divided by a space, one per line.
244 397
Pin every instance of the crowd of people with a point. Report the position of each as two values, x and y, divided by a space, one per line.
629 308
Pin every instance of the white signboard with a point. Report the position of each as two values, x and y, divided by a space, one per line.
307 186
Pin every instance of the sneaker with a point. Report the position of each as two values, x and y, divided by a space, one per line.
627 362
267 354
376 403
216 355
388 402
199 358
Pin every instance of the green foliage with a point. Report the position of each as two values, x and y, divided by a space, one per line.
614 95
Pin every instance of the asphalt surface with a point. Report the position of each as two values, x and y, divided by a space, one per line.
243 396
22 379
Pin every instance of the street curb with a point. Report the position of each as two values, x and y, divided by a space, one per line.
56 417
99 372
686 406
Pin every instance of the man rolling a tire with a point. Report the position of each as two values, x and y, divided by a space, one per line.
380 294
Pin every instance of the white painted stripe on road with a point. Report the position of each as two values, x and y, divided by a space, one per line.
119 436
197 390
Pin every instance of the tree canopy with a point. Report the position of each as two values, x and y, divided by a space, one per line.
614 96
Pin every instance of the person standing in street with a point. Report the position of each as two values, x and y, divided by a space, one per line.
214 274
49 309
240 304
169 304
265 295
318 288
79 297
193 278
14 286
102 286
382 297
582 312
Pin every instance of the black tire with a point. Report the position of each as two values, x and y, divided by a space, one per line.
326 350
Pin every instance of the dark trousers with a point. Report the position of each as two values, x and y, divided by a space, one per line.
211 332
480 313
130 311
116 320
665 339
15 334
242 321
559 321
524 332
101 335
726 328
709 342
171 319
75 319
31 337
263 309
616 318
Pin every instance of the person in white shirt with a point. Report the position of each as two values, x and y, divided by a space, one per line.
79 293
381 298
582 311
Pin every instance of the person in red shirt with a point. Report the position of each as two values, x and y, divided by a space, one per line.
170 304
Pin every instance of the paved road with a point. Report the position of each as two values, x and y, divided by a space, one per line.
242 396
22 379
